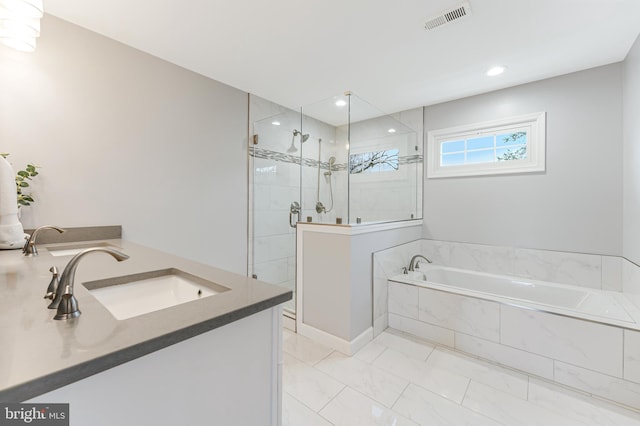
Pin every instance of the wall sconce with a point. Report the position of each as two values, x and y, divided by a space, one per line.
20 23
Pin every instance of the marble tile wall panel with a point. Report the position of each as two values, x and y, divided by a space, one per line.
483 258
423 330
273 247
468 315
272 222
559 267
586 344
632 355
612 273
394 259
505 355
387 263
546 265
439 252
380 290
630 277
274 272
380 324
613 388
403 300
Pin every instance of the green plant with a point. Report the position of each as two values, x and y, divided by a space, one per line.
22 176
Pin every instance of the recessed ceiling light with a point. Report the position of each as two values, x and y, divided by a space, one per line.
391 130
497 70
341 103
275 123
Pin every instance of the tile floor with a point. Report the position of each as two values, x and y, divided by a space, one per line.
397 380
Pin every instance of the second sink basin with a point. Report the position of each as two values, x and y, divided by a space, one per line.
133 295
73 249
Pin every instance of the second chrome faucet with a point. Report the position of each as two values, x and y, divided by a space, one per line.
30 248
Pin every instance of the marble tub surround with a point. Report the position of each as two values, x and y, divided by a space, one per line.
579 269
40 354
600 272
595 355
631 281
596 358
386 264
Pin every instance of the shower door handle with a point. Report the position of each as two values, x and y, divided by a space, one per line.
294 209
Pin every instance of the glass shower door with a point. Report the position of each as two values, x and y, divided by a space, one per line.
275 154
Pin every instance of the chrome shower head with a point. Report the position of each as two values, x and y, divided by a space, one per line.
303 138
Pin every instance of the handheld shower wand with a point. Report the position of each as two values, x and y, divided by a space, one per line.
320 208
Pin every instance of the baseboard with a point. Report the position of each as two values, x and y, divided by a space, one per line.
341 345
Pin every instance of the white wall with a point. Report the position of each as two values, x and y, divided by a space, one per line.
126 138
576 205
631 125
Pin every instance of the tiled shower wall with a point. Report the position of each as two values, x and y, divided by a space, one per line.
595 358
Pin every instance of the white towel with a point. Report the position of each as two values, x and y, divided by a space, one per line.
11 232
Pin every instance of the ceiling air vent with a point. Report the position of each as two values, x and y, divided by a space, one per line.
448 16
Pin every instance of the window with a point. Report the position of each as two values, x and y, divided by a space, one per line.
511 145
377 161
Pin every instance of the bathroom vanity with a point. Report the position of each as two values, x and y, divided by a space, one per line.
213 360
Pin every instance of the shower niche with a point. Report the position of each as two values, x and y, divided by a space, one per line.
340 161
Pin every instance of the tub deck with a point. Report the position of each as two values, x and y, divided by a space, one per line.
606 307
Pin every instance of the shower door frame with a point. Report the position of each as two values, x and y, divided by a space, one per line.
268 154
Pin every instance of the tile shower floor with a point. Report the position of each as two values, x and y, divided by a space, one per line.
396 380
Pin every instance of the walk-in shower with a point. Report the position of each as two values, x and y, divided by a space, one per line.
338 161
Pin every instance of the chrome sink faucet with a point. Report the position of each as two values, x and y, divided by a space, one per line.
64 300
415 260
30 248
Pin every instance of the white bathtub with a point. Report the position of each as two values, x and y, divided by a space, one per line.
596 305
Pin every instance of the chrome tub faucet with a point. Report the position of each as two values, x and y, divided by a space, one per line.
415 260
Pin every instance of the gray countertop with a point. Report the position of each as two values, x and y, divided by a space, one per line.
39 354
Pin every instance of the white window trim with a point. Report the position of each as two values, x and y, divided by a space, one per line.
535 161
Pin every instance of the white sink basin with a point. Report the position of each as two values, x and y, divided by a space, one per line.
139 294
73 249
